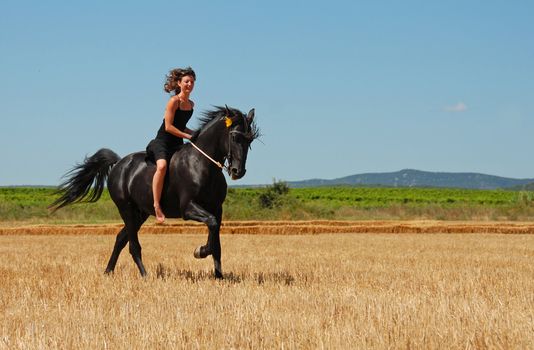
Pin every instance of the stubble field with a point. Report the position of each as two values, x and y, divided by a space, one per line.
341 290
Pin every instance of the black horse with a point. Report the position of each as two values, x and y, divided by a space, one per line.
194 189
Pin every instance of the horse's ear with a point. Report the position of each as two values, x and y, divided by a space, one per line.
250 116
227 111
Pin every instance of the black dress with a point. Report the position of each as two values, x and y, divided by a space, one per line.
165 144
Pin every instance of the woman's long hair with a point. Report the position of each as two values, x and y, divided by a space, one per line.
174 77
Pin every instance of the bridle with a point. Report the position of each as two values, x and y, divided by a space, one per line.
229 155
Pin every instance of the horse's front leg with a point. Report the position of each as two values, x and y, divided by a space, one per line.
193 211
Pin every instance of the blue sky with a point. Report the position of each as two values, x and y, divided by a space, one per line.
339 87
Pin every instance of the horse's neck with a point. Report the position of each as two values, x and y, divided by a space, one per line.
210 142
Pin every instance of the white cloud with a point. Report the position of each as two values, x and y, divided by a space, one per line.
457 108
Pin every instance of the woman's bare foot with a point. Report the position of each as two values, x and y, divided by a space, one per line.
160 217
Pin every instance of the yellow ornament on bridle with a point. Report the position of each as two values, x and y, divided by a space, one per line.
228 122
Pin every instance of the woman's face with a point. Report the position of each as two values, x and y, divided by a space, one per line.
187 84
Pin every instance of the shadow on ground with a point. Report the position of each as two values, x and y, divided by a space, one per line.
282 277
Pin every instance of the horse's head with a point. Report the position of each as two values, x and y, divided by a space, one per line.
242 131
226 133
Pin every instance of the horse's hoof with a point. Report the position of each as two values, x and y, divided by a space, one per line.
197 253
201 252
218 269
108 272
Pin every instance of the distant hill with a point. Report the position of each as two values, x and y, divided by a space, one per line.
417 178
526 187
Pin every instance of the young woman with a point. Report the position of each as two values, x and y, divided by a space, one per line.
173 129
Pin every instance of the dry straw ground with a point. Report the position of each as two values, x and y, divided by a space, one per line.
363 291
283 227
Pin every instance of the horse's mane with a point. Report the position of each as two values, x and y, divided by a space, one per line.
252 131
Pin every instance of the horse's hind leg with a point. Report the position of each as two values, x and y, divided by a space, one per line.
120 243
135 250
133 219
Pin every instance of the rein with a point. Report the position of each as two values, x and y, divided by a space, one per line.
222 166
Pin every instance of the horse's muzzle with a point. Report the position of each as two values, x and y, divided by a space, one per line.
236 174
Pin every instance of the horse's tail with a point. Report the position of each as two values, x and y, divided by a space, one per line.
79 180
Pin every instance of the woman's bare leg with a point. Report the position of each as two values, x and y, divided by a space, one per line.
157 186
